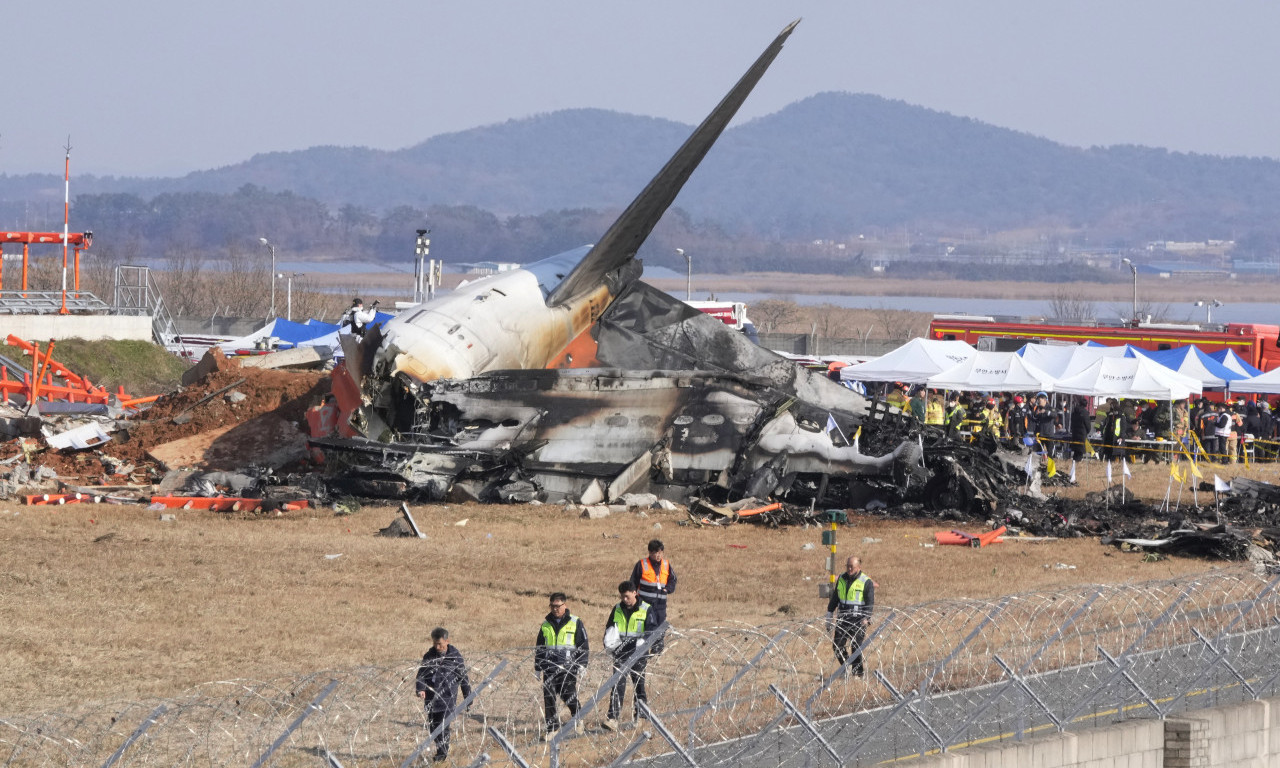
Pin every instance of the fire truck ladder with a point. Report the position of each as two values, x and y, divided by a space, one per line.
136 293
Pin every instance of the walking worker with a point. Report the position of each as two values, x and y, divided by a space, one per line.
561 654
850 604
442 672
630 626
655 580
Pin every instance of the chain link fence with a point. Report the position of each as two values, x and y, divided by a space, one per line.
939 676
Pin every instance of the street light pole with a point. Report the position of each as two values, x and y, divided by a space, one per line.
688 281
1208 309
1134 268
264 241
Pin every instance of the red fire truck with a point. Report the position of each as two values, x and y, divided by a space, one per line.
1257 344
731 313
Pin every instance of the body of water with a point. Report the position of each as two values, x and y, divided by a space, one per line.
1177 313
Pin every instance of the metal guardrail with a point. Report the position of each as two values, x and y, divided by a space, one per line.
941 677
50 303
136 293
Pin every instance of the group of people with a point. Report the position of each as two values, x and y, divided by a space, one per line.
562 650
1032 422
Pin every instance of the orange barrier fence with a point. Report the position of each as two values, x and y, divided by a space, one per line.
50 380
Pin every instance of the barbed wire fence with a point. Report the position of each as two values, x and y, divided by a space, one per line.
939 676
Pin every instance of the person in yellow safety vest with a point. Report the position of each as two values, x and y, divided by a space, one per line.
897 396
994 425
851 603
933 413
955 415
561 652
630 627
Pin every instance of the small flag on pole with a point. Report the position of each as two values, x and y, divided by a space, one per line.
1124 466
831 423
1073 470
1220 485
1108 473
1029 469
1050 466
1174 473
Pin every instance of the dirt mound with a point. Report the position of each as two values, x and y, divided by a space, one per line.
210 404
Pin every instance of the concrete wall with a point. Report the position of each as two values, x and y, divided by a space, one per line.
90 327
1238 736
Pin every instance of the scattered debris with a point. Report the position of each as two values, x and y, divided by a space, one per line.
969 539
78 438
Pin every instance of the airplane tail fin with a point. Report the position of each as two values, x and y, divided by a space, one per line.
631 229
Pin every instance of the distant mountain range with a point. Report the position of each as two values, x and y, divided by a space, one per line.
830 166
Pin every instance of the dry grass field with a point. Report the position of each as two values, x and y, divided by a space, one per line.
107 602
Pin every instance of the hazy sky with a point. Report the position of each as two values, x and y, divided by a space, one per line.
157 87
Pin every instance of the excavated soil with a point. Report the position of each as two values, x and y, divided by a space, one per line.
285 395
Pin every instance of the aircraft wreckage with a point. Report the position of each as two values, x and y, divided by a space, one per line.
571 379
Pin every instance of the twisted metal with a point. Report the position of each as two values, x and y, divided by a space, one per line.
940 676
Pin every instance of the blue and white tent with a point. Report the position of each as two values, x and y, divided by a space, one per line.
1230 359
1196 363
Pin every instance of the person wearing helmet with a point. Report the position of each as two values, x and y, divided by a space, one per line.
1041 417
1017 424
897 396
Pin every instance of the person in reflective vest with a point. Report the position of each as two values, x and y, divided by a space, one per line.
655 580
442 672
561 653
630 627
956 414
851 603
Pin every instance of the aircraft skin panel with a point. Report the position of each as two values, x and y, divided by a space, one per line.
500 322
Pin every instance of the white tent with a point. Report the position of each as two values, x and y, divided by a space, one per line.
993 372
1137 377
1267 383
1057 359
912 363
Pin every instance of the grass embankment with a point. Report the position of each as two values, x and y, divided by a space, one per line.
107 602
141 367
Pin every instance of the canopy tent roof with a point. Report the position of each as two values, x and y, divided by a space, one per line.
1266 383
330 339
1136 377
912 363
1194 362
993 372
309 334
1231 360
1057 359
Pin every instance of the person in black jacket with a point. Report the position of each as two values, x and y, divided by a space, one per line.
561 654
442 672
1080 424
633 622
1114 431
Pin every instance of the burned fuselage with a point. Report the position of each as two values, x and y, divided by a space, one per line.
596 434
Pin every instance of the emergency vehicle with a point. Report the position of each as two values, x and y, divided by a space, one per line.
1256 344
731 313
